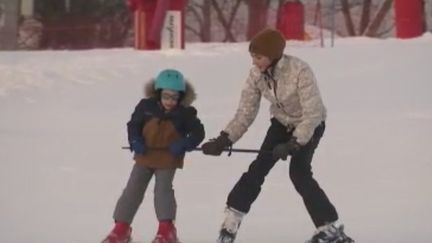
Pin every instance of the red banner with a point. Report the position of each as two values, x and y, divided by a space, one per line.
409 18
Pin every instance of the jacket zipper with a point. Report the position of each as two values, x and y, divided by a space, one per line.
268 77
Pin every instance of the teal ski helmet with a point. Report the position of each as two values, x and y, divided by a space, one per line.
170 79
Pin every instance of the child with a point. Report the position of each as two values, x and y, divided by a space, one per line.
162 128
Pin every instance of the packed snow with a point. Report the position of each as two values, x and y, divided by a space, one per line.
63 122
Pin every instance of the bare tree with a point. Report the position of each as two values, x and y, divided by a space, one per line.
257 20
424 20
206 26
365 16
348 19
379 17
428 15
202 15
227 23
361 11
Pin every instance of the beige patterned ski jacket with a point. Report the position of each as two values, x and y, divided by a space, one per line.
294 96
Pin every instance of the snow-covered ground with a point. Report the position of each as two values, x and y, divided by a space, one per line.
62 125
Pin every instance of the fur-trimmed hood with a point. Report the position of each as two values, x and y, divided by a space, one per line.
188 99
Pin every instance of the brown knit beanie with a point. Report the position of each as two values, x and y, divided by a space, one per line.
269 43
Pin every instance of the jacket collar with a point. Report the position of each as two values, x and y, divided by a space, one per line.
274 70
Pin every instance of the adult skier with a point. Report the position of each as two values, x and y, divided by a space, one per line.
297 125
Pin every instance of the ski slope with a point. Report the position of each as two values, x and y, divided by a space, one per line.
63 121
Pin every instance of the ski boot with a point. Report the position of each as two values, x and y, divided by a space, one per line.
230 226
121 233
330 233
167 233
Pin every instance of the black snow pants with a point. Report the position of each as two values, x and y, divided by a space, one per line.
248 187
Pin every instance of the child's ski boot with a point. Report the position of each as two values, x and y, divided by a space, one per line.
167 233
121 233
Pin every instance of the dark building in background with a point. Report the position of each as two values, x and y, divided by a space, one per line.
82 24
9 17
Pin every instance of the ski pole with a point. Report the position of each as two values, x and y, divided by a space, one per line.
237 150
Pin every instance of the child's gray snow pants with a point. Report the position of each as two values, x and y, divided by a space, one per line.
132 196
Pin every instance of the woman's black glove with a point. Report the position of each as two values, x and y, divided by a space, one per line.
281 151
216 145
